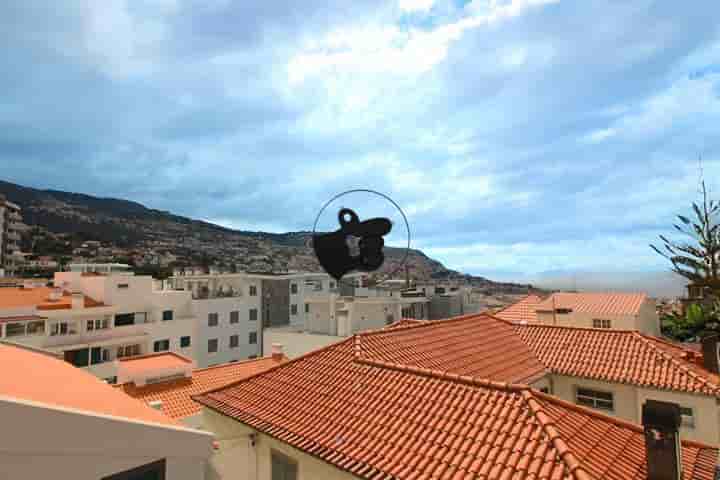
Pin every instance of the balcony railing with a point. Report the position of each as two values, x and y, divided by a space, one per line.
96 336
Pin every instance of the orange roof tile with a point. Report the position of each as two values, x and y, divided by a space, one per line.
16 297
175 394
522 311
45 379
611 303
378 420
473 345
623 356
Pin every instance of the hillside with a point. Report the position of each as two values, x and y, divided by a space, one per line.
146 232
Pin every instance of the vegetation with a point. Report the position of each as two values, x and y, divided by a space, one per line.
698 260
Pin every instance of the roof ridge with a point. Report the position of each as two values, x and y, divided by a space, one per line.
420 324
572 464
232 364
675 361
573 327
275 367
442 375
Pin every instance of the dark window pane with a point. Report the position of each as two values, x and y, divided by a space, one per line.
123 319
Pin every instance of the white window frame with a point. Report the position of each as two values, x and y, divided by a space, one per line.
593 400
603 323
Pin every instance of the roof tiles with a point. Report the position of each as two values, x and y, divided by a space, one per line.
370 405
175 395
522 311
610 303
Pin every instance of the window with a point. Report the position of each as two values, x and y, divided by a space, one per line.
14 329
123 285
212 345
282 467
253 314
252 338
167 315
601 323
307 308
332 284
545 390
150 471
252 291
61 328
99 355
161 345
293 309
99 324
234 341
128 351
594 398
111 380
36 327
212 319
234 316
688 419
123 319
293 288
184 342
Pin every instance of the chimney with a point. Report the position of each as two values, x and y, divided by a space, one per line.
277 352
156 404
661 422
710 353
78 301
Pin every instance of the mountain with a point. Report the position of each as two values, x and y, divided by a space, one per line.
143 231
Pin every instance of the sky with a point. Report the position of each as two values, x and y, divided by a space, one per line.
519 137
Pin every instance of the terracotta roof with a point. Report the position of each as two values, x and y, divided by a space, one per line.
175 394
141 363
522 311
17 297
473 345
45 379
610 303
382 420
623 356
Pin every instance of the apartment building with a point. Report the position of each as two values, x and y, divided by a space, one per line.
61 422
93 319
460 398
10 229
609 310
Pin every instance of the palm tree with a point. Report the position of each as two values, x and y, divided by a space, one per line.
699 259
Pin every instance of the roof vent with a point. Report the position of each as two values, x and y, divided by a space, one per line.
277 351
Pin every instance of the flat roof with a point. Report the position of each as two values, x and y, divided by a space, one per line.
19 297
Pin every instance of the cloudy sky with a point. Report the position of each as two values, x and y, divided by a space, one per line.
519 136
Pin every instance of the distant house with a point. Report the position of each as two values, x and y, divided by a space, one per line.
608 310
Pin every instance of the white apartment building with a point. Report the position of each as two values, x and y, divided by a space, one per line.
228 309
93 319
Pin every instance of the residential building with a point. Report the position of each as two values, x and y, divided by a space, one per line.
167 381
609 310
459 398
61 422
10 230
93 319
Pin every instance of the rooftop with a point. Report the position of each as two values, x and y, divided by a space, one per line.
623 356
392 418
175 394
20 297
610 303
139 364
522 311
54 382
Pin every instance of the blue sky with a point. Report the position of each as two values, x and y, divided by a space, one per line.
519 136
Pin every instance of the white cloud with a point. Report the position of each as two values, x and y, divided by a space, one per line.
601 135
415 5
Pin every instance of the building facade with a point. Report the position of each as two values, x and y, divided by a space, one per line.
10 230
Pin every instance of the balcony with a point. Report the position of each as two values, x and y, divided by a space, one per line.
127 333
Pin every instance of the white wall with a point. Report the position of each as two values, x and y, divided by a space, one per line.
223 307
56 443
296 343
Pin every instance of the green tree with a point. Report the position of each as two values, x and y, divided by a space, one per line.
698 259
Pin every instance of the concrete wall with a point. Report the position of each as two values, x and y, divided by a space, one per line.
237 459
648 321
446 306
320 319
223 307
275 302
57 443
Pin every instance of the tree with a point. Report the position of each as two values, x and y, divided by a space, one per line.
699 259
